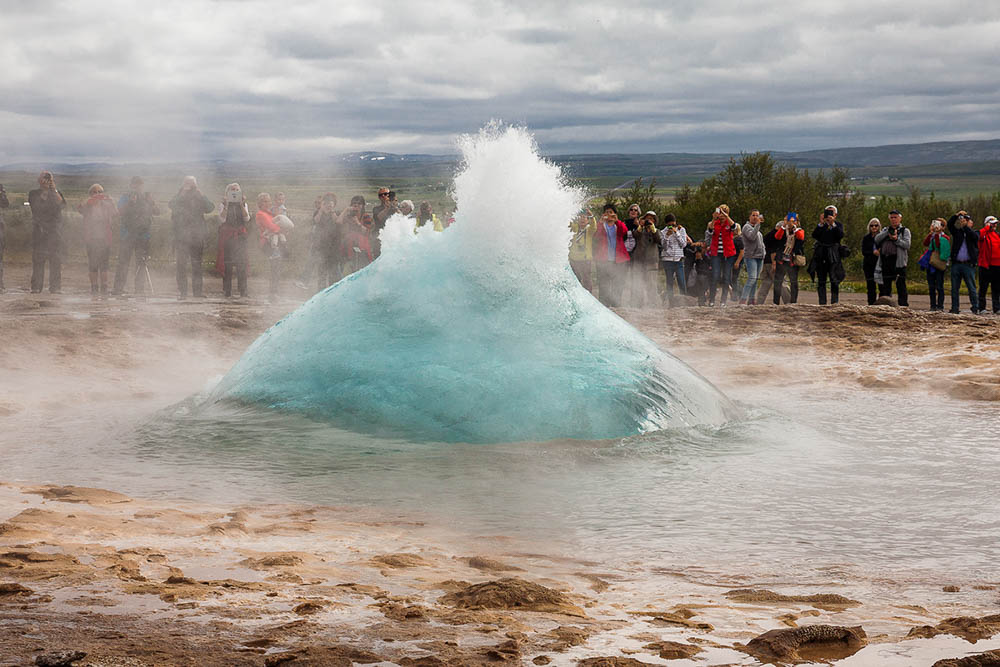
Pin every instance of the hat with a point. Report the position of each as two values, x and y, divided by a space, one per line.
652 213
831 207
990 220
895 211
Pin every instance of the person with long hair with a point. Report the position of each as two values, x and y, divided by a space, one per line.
233 239
937 241
789 257
869 259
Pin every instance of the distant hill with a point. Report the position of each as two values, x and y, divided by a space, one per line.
900 155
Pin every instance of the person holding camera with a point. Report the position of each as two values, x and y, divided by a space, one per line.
673 240
47 205
893 249
328 242
937 241
869 260
964 257
187 212
646 262
610 257
136 209
721 249
989 264
581 248
753 255
269 231
789 257
233 240
826 255
386 208
426 214
4 203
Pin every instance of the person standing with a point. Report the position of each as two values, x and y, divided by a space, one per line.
826 255
631 229
385 209
581 248
47 205
188 209
894 247
233 240
99 214
964 256
753 255
771 247
989 264
425 215
328 241
788 258
646 262
136 209
268 229
673 241
721 249
4 203
869 259
939 242
610 257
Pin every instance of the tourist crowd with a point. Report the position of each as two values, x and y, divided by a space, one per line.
627 257
340 241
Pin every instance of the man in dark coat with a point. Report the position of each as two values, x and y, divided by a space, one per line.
136 209
188 209
47 204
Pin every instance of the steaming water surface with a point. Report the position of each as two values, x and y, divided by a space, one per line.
828 482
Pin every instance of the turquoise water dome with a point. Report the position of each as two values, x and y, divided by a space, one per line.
480 333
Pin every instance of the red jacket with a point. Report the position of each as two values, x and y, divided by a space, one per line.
726 232
99 213
266 225
601 243
989 247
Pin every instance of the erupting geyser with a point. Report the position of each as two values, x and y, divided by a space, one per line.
480 333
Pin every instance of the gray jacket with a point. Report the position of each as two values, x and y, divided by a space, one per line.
753 241
902 244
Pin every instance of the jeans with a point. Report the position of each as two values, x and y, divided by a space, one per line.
46 246
611 277
964 271
753 275
722 269
989 278
935 286
674 271
900 278
581 267
131 242
822 273
189 253
780 269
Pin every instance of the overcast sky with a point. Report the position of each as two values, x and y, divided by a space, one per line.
202 79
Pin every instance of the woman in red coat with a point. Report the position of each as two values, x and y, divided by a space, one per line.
989 264
721 248
268 228
610 257
99 213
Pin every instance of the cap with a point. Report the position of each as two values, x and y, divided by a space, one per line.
895 211
990 220
831 207
652 213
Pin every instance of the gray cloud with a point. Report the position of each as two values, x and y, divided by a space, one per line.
202 79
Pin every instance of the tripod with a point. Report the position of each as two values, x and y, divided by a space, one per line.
144 266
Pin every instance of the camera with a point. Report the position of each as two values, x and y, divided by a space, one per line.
234 196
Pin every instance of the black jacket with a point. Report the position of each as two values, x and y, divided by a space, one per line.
964 235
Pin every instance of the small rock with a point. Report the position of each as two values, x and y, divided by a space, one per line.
59 658
951 589
816 643
307 608
987 659
12 589
542 660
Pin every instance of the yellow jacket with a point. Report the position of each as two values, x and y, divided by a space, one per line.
582 247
